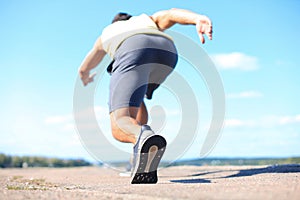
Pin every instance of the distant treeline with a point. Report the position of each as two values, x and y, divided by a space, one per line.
237 161
7 161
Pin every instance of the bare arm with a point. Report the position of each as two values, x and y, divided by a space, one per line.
167 18
91 61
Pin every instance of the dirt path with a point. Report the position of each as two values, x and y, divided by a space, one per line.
182 182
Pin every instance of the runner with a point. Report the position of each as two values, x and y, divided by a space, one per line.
143 56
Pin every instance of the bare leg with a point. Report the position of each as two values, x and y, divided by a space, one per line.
142 115
126 123
125 127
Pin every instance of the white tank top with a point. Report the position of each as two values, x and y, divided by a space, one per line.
114 34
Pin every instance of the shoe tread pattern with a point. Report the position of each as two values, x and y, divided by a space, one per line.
141 176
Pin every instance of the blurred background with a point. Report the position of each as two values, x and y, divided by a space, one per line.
254 47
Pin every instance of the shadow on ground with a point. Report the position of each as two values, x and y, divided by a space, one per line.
289 168
191 181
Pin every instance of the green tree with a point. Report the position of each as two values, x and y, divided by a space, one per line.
17 161
5 161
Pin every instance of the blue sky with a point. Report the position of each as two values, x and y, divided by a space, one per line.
255 49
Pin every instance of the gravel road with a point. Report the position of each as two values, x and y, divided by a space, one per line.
180 182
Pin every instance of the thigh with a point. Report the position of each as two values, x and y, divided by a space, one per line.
159 73
141 59
127 89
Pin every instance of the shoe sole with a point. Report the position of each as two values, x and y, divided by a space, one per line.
148 160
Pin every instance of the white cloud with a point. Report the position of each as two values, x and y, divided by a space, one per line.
102 113
232 123
289 120
66 122
68 127
58 119
245 94
235 60
263 122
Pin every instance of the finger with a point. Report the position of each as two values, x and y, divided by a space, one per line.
93 75
84 83
209 35
201 38
91 78
209 32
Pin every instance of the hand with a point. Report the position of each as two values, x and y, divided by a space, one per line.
86 78
204 27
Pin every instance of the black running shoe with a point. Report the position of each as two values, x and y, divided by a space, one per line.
148 152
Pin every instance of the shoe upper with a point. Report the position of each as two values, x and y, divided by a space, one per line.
146 131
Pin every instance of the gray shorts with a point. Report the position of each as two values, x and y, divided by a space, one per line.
141 64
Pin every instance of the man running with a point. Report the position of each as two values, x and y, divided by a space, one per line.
143 56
